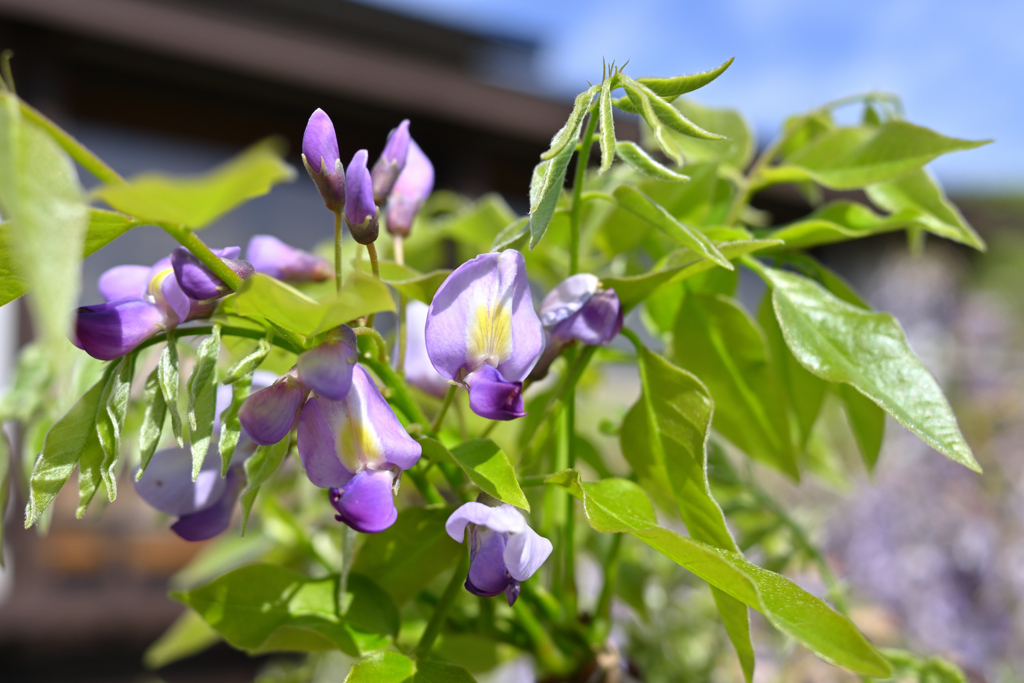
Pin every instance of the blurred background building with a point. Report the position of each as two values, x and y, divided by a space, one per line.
180 85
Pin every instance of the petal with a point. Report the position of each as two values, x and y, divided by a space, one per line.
110 330
391 162
596 323
319 425
411 189
210 521
525 552
267 415
320 142
167 482
512 592
567 298
360 210
418 370
503 518
492 397
124 282
487 575
483 313
271 256
327 369
366 502
168 295
198 281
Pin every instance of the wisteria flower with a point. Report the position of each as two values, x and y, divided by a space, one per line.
413 187
503 549
417 368
579 309
271 256
391 162
483 315
357 448
322 161
361 212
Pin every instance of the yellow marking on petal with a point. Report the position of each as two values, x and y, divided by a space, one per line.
359 447
157 281
490 335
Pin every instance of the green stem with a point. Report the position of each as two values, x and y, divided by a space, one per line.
437 619
401 332
337 252
75 149
747 184
191 241
602 615
544 648
488 429
568 537
372 251
378 340
429 492
555 407
348 547
577 191
435 427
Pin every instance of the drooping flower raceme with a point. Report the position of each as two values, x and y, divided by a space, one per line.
391 162
413 187
418 370
144 301
483 333
322 161
503 549
271 256
357 448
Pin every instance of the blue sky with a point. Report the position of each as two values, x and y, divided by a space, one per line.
958 66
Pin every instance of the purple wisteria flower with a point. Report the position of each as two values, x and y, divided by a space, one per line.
391 162
483 315
417 368
269 414
143 301
327 369
322 161
361 212
503 549
413 187
271 256
357 448
579 309
198 281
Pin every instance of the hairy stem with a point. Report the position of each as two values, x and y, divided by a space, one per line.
191 241
75 149
577 191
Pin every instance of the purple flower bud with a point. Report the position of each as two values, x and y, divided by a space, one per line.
111 330
360 211
483 315
208 522
271 256
413 187
503 549
268 415
366 502
322 161
327 369
198 281
338 440
418 370
391 162
124 282
578 309
492 397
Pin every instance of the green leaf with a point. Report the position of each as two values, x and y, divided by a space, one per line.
152 420
670 88
570 131
838 221
202 399
840 342
867 421
644 164
545 190
919 193
715 339
230 426
167 373
515 231
618 505
110 420
487 466
633 289
265 607
394 667
197 201
422 287
44 202
263 298
65 442
850 157
187 636
642 97
258 469
607 119
736 150
678 410
639 204
246 366
640 103
411 553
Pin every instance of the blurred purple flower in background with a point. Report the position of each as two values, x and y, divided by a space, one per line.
417 368
391 162
503 549
271 256
413 187
322 161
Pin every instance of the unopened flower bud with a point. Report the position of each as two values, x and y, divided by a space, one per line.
322 161
413 187
198 281
327 369
360 210
391 162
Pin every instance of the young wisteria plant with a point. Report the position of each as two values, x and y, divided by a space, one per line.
420 500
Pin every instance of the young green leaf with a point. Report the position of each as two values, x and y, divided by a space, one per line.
607 120
230 426
867 421
394 667
202 399
421 287
618 505
639 204
735 151
641 103
513 233
838 221
545 189
643 163
840 342
197 201
152 420
167 373
570 131
110 420
670 88
258 469
246 366
654 110
487 466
